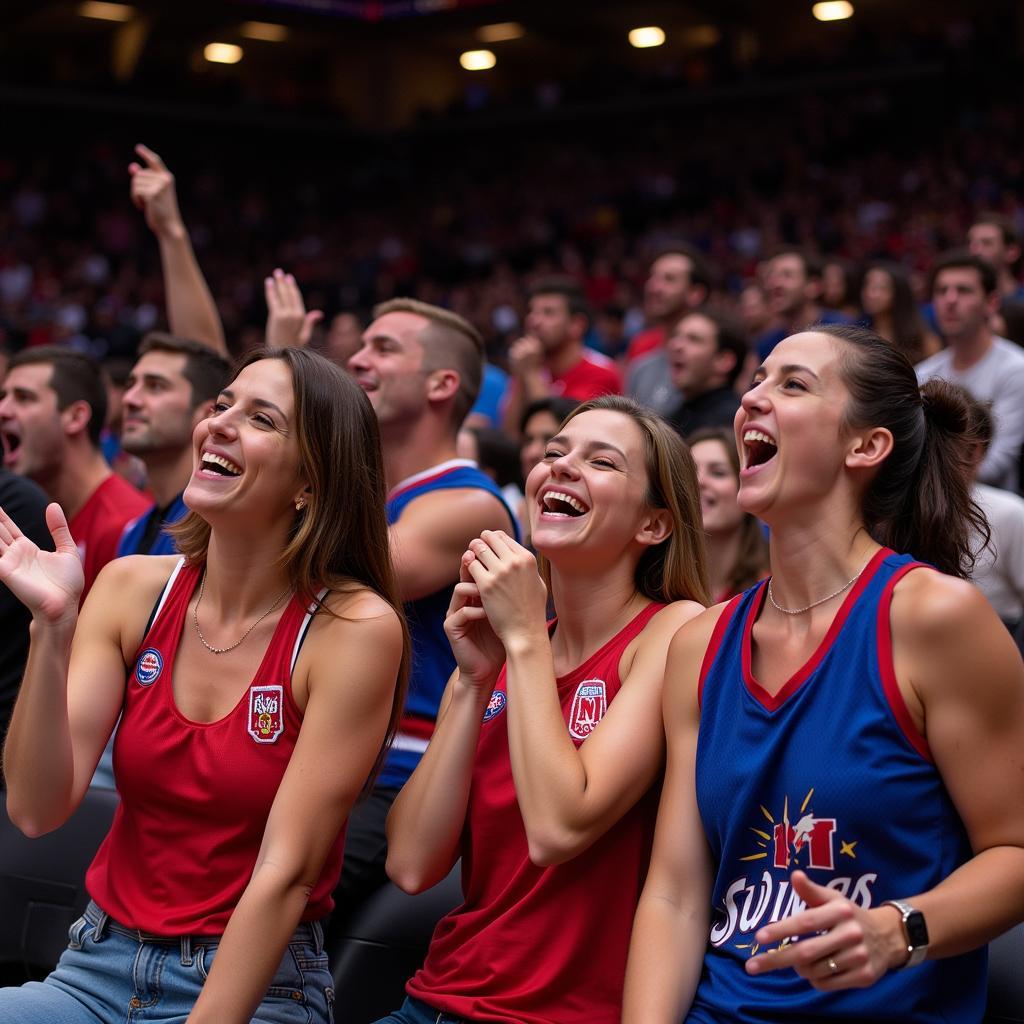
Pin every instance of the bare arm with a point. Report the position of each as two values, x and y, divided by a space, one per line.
288 323
428 540
191 311
343 726
670 931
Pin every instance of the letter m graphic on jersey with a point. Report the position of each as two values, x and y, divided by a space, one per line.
810 833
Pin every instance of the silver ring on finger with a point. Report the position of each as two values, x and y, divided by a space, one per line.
832 965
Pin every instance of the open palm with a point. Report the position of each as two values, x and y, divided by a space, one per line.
48 583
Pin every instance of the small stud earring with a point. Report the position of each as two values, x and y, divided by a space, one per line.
300 504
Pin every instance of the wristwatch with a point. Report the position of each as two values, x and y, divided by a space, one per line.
915 931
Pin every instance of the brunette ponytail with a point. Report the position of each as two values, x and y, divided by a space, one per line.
920 500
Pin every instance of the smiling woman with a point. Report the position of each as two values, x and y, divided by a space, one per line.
821 727
234 707
542 770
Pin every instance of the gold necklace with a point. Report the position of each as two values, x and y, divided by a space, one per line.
224 650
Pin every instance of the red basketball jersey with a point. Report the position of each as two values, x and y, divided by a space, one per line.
534 945
195 797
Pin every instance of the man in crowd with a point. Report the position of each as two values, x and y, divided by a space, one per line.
421 367
993 238
52 410
677 283
965 295
552 359
705 354
794 285
170 389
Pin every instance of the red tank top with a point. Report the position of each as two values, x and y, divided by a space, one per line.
533 945
195 797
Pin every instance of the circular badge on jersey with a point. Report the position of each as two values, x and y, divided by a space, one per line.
495 705
149 666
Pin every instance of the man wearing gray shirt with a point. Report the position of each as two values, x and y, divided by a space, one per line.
991 369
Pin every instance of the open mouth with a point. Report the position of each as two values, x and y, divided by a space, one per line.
219 465
758 447
11 442
558 503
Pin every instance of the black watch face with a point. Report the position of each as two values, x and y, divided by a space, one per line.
917 930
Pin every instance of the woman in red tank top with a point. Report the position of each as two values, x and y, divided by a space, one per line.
542 770
258 697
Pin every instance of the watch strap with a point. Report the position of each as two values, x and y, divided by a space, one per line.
915 931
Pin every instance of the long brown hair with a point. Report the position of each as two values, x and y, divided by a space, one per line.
339 540
919 501
677 568
752 557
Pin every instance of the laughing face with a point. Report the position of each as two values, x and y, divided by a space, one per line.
789 426
718 486
589 492
31 425
247 453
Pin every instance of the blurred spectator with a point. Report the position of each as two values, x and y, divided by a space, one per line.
838 288
343 338
498 456
705 355
993 238
989 368
52 412
737 552
753 310
487 411
551 359
891 311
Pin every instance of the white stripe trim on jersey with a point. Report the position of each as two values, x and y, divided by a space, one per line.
304 628
413 744
166 592
441 467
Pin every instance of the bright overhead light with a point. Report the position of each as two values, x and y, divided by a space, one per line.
105 11
264 31
833 10
501 32
222 53
650 35
477 60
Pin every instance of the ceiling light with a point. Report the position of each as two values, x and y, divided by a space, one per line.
477 60
105 11
642 38
222 53
264 31
501 32
833 10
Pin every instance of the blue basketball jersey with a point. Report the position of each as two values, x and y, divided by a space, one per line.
432 658
829 775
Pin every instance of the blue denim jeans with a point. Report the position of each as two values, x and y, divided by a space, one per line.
111 973
413 1011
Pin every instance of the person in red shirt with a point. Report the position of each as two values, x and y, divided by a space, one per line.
542 770
551 360
52 409
677 283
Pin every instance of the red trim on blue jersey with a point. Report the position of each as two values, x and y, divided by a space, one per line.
887 670
715 643
772 702
418 480
415 725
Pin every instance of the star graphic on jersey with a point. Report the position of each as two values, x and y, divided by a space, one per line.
846 849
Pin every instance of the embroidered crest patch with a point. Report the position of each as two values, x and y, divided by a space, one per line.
266 713
495 705
588 707
149 666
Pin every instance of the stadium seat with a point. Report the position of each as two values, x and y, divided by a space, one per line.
1006 978
383 944
42 882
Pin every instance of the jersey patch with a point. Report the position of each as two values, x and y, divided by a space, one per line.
495 705
266 713
149 666
588 708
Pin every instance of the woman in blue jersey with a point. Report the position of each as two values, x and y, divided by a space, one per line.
842 823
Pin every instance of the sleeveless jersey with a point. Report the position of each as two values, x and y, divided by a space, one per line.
195 797
432 659
534 945
830 776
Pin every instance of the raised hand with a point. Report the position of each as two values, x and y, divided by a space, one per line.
841 945
288 323
525 356
48 583
152 191
477 649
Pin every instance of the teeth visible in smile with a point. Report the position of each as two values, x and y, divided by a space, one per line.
209 459
757 435
574 503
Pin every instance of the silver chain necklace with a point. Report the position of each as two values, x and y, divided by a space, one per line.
224 650
813 604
